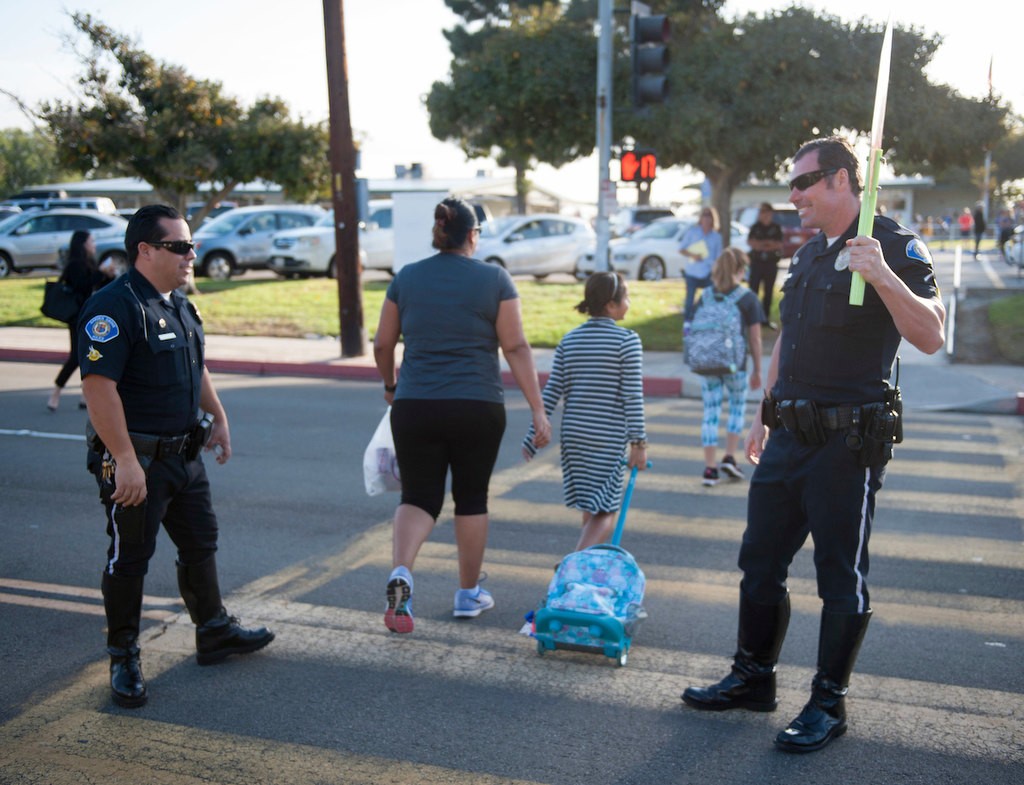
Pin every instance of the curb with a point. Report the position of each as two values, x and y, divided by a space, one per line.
654 386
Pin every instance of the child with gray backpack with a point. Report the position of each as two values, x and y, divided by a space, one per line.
726 327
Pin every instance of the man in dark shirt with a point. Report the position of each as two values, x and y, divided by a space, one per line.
147 388
765 241
825 438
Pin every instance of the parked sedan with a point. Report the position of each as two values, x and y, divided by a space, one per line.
35 238
241 239
536 245
310 251
652 253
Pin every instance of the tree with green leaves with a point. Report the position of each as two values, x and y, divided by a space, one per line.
1008 157
27 158
143 117
746 94
522 87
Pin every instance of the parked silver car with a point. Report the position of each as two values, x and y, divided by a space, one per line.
311 251
35 238
242 239
536 245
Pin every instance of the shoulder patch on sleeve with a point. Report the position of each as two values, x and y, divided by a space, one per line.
101 329
919 251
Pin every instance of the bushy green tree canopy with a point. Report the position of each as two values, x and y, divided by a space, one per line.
154 120
522 91
27 158
745 95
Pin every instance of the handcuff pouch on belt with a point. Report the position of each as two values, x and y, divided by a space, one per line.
769 412
800 417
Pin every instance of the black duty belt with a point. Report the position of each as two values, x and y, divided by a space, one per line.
158 446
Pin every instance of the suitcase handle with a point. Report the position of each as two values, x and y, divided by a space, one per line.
626 499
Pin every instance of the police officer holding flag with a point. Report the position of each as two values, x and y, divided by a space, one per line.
826 434
153 407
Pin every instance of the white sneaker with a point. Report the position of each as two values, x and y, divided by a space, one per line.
470 603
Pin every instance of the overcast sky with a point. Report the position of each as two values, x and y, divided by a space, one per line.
396 50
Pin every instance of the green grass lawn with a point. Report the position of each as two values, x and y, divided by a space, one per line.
298 308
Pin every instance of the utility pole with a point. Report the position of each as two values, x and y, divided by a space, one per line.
606 187
343 185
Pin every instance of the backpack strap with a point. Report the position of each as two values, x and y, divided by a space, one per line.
737 294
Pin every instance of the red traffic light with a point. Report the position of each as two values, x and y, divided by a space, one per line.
638 166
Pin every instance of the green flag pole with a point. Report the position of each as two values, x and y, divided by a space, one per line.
870 197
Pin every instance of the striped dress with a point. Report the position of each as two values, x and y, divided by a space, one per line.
598 372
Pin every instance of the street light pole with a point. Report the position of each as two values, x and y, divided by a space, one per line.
606 188
343 185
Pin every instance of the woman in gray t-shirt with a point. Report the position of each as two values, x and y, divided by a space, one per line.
448 412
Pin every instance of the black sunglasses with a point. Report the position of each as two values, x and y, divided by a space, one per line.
807 179
179 247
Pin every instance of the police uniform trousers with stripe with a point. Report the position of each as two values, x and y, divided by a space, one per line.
823 491
177 495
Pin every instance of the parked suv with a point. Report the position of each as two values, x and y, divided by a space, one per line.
241 239
793 233
101 204
35 238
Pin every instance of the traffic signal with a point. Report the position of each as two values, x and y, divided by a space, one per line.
649 36
638 166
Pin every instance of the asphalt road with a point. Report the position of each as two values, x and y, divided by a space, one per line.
936 697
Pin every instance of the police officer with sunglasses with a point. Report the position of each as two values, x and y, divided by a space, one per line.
152 410
825 436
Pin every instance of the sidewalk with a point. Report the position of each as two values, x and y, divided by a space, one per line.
929 382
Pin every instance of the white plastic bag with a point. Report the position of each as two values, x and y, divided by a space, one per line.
380 466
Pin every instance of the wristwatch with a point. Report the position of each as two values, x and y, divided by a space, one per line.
390 388
642 443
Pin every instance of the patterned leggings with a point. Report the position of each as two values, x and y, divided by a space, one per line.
712 392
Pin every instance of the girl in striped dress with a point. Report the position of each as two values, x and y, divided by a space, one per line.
597 371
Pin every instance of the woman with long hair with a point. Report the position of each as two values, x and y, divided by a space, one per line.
84 276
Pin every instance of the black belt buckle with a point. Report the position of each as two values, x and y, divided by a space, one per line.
174 445
836 418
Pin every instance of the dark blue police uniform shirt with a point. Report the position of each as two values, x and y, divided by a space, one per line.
152 348
833 352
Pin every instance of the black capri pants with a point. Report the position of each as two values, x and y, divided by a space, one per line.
433 435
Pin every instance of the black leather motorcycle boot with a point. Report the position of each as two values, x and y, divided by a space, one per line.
751 682
218 635
122 602
824 717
